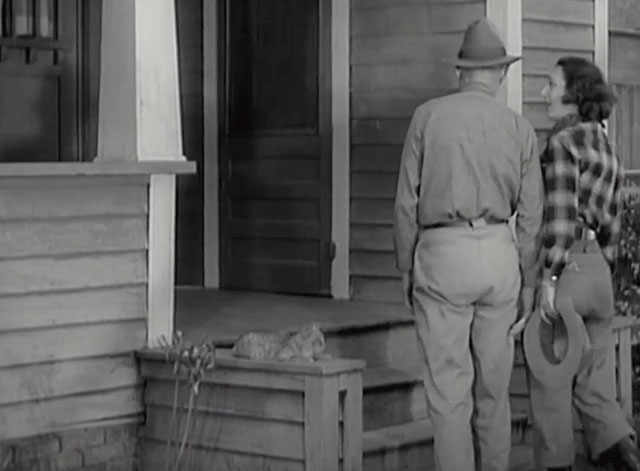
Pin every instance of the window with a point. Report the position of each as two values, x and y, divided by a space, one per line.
39 80
28 19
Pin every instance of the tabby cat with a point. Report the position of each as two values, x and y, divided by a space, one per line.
303 345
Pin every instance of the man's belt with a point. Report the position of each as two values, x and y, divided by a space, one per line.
477 222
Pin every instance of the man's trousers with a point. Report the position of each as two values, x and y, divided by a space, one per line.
466 287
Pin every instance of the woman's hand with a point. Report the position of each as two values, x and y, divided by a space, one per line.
547 300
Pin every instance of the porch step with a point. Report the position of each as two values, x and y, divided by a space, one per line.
409 447
392 395
379 344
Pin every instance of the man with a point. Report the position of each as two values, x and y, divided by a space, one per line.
468 164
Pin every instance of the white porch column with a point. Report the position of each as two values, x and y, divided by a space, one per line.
601 35
139 120
601 52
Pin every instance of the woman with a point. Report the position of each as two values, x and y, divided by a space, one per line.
581 230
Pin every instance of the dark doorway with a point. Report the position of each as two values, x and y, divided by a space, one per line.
275 145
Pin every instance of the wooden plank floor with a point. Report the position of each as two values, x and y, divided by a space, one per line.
222 316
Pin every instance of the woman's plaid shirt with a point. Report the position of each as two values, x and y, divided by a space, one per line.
583 179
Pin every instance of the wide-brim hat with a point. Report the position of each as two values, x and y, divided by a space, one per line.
554 374
482 47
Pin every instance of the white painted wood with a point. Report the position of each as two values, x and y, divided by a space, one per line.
161 259
55 273
210 91
79 341
73 236
340 43
42 381
601 35
139 120
38 418
139 116
50 310
49 198
507 16
601 48
101 168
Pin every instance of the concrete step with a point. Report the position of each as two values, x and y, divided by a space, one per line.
409 447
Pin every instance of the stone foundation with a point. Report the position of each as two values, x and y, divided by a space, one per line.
111 448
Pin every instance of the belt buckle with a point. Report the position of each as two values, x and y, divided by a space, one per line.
478 222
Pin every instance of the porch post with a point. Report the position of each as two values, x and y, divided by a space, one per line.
139 120
601 52
601 35
340 46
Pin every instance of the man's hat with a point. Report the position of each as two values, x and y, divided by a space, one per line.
482 47
555 374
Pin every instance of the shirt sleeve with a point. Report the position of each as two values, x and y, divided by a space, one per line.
405 231
529 210
561 205
609 230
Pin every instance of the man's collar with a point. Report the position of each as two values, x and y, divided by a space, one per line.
477 87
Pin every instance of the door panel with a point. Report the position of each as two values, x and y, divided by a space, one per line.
275 149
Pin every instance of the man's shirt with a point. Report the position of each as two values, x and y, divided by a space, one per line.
467 156
583 180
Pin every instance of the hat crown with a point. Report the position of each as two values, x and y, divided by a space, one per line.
481 42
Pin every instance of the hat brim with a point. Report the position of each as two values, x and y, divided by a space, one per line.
472 64
562 373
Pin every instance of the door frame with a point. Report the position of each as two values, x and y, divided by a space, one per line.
339 66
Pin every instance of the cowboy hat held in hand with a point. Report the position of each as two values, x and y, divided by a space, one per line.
482 47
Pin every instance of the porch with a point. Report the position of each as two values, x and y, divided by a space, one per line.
396 431
223 315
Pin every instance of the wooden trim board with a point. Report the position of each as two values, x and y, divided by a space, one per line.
210 168
340 44
161 257
601 35
507 16
601 47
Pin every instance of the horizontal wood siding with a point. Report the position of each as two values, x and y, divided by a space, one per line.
73 269
258 415
550 30
624 14
624 74
396 47
626 127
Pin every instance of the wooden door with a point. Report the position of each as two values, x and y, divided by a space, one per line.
275 145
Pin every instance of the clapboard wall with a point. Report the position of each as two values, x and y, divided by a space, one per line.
624 74
73 268
551 29
396 47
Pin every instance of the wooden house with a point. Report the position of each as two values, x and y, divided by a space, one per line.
247 152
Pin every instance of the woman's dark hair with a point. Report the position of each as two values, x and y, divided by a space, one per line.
586 88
